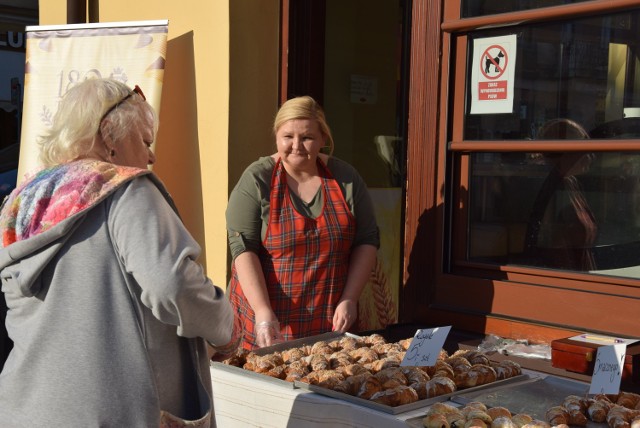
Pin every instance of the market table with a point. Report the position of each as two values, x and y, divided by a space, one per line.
250 401
243 401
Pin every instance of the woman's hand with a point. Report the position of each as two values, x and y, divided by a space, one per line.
267 330
345 315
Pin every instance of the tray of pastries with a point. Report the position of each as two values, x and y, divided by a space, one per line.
366 370
474 414
544 403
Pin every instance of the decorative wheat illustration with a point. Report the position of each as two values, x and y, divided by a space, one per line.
385 307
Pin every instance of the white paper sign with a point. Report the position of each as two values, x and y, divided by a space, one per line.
607 372
425 347
493 74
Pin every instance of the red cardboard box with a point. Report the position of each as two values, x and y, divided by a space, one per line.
579 357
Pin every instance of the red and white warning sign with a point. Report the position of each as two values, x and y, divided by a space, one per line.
493 74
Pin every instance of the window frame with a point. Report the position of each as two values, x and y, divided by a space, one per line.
505 300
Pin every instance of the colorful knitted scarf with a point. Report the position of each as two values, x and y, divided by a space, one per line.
55 194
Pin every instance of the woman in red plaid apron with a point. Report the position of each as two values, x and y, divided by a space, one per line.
314 256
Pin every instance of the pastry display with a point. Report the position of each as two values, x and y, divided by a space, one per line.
368 367
476 414
617 411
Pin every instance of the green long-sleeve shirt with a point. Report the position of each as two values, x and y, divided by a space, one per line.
248 210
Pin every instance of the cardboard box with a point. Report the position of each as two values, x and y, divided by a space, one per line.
579 357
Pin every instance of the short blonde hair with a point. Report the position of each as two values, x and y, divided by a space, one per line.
304 107
80 119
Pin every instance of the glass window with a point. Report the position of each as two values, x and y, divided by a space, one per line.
471 8
586 70
577 209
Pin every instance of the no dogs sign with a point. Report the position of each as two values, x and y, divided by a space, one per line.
492 75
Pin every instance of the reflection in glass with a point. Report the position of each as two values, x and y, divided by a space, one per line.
570 211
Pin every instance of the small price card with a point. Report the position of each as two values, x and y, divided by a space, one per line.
425 347
607 372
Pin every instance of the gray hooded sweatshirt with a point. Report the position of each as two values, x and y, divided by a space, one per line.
107 307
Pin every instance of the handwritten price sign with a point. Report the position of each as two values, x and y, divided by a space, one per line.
425 347
607 372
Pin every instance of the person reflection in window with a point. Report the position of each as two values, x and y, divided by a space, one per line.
568 245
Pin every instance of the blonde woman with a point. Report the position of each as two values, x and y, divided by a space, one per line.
302 233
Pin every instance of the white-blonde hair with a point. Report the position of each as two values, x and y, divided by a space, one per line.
304 107
80 119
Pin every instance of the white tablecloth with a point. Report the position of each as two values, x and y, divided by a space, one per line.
243 401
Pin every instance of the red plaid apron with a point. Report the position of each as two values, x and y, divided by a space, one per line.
305 261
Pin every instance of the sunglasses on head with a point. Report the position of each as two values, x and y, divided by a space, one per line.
136 90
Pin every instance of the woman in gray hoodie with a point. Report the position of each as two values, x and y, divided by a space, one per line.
109 312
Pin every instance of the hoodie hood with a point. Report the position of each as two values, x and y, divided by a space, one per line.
39 215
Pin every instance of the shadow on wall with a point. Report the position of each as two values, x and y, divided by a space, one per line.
427 295
177 148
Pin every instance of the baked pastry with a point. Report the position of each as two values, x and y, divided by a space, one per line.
474 405
293 354
325 378
352 370
414 374
370 386
339 358
537 423
557 415
620 416
278 372
575 402
382 364
628 399
598 409
458 364
442 408
476 375
321 347
263 364
479 414
318 362
496 412
441 369
473 356
352 384
385 349
475 423
349 343
435 420
391 377
503 422
395 396
521 419
363 355
374 339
